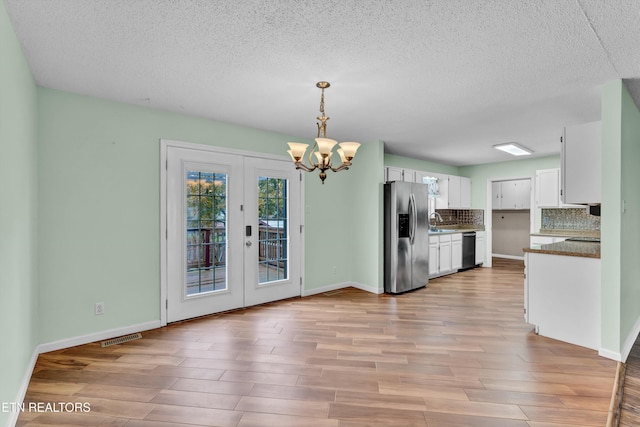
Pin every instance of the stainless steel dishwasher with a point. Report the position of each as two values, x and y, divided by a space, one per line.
468 250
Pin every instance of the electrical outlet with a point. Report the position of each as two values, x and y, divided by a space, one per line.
99 308
335 270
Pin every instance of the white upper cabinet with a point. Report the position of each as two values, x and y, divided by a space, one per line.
459 192
581 163
455 191
514 194
548 188
399 174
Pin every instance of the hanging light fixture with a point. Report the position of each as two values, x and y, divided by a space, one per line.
322 149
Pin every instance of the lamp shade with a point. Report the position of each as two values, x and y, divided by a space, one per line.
342 157
349 149
297 150
325 145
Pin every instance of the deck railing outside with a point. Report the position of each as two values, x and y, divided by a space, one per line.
206 247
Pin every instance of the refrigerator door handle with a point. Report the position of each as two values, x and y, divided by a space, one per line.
412 218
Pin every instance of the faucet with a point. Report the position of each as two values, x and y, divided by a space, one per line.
434 227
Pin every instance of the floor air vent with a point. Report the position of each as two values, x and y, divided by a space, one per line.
329 293
120 340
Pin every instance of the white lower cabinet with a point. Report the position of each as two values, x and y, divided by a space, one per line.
434 255
480 247
445 254
456 251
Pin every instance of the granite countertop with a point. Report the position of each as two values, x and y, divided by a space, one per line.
579 249
567 233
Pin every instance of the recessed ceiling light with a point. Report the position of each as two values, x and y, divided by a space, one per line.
514 149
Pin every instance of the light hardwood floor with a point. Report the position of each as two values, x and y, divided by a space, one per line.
456 353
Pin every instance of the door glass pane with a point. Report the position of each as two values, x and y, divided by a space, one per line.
273 243
206 232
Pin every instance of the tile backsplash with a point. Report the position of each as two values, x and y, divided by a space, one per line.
569 219
461 216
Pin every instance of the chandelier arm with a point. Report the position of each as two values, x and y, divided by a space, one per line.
342 167
300 165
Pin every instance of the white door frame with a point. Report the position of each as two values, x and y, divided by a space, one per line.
489 213
164 145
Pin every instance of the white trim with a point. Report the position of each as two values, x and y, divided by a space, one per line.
98 336
13 416
163 232
520 258
488 212
367 288
303 227
610 354
327 288
343 285
630 341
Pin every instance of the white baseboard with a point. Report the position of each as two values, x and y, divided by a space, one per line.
13 416
98 336
328 288
610 354
626 348
520 258
368 288
630 341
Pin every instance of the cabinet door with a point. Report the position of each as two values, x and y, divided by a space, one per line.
465 192
433 259
480 247
456 252
548 188
445 254
496 195
524 194
394 174
581 163
409 175
510 195
442 202
454 192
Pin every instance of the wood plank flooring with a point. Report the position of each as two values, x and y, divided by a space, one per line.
456 353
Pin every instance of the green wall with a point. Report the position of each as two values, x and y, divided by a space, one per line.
620 228
419 165
630 238
366 190
99 209
18 215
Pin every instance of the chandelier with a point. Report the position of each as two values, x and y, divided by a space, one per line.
322 149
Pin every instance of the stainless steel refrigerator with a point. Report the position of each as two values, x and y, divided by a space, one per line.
406 236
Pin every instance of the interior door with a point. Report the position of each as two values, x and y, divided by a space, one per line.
233 232
272 231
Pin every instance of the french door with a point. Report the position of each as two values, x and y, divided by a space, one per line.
233 231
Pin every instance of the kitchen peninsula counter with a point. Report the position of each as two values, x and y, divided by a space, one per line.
568 248
562 291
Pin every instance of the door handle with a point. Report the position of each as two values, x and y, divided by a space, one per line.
248 243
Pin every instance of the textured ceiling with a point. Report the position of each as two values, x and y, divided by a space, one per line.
441 80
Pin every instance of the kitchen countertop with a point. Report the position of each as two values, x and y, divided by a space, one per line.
578 249
452 229
567 233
